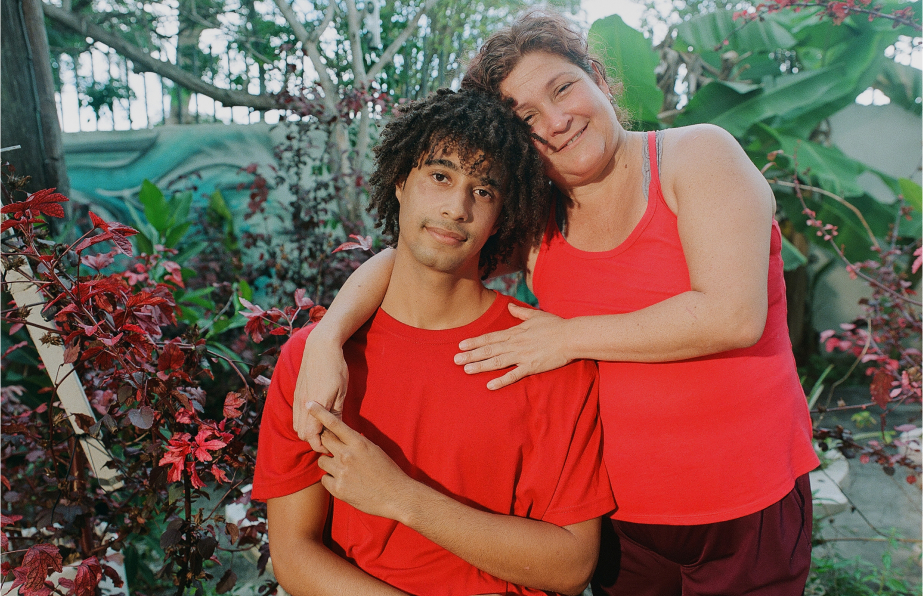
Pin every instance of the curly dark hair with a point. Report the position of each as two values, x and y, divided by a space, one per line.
483 131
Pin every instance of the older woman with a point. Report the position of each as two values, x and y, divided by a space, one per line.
661 260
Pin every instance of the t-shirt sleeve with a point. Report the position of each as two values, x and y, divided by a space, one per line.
582 490
284 463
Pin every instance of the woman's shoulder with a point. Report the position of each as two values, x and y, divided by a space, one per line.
688 141
700 149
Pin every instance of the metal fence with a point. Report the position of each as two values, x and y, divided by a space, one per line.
99 90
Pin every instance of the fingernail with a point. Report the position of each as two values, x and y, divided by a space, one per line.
493 385
459 359
469 368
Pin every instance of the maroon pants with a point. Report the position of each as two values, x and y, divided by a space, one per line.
767 553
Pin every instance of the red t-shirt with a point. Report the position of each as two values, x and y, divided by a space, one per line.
697 441
532 449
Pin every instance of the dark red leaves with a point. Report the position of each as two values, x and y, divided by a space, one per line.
32 573
45 202
116 232
232 404
881 387
171 357
88 576
302 301
317 313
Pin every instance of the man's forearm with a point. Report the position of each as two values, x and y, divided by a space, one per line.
523 551
302 564
311 569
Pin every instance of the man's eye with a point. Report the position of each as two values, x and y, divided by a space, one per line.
564 87
439 177
528 118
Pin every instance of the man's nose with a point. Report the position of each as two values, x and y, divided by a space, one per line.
457 204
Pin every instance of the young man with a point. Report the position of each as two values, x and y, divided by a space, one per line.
439 486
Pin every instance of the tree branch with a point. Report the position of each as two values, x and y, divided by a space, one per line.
392 49
309 43
228 97
355 43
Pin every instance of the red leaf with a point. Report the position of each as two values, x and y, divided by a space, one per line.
279 331
170 358
232 403
881 387
122 243
317 313
363 242
144 299
88 576
31 575
99 222
71 353
301 301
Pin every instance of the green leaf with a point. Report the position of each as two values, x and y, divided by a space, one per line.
791 256
829 167
179 207
901 83
143 243
156 209
246 292
714 100
913 195
176 234
630 58
217 204
707 32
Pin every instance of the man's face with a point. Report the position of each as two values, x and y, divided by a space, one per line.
448 213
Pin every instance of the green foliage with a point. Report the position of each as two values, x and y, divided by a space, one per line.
836 576
631 60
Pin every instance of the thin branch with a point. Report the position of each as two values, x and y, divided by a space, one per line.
228 97
355 43
309 44
840 200
392 49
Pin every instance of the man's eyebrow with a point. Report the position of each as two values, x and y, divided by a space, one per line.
488 181
446 163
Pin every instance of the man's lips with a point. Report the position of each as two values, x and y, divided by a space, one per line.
446 236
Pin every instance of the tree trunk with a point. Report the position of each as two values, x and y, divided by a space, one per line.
28 115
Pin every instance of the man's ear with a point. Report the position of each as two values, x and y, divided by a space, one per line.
399 189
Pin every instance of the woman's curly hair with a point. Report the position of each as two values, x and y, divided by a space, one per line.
483 132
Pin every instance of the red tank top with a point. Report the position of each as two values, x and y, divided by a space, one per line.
695 441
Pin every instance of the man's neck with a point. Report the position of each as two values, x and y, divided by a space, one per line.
427 299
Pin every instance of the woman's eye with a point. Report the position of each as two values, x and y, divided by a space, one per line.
484 194
564 87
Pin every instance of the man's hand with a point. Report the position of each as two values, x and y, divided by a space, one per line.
358 472
323 379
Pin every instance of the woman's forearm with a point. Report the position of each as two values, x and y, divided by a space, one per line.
357 300
688 325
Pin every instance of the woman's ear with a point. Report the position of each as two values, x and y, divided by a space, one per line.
600 80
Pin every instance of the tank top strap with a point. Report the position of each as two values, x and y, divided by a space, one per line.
652 160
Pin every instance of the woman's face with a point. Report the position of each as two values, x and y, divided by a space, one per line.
570 114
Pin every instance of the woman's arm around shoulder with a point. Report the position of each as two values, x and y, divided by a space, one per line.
323 377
